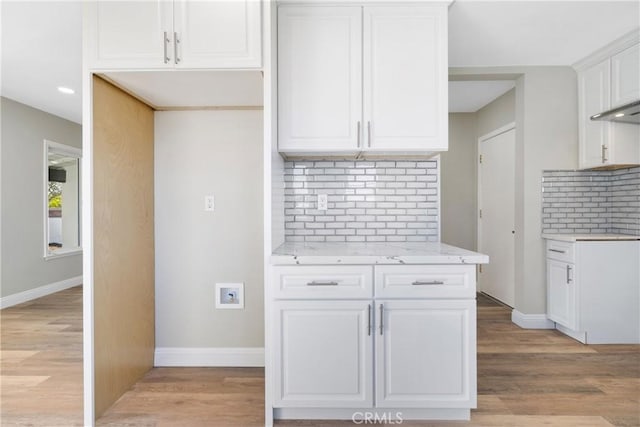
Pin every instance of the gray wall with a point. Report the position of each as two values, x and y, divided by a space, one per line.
496 114
546 119
24 130
458 171
200 153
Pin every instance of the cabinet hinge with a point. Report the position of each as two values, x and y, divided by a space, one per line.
480 268
480 158
480 213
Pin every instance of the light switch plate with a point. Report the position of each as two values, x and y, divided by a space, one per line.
208 203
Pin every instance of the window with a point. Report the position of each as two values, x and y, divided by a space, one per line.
62 199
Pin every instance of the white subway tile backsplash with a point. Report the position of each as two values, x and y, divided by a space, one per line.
591 201
368 201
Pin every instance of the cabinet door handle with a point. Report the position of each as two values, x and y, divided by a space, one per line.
433 282
369 134
604 154
358 134
369 320
569 279
381 319
314 283
557 250
176 41
166 53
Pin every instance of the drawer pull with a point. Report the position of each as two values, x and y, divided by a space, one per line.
381 319
369 321
314 283
558 251
433 282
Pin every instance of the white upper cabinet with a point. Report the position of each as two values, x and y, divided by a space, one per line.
608 79
319 79
362 79
625 73
173 34
405 78
594 98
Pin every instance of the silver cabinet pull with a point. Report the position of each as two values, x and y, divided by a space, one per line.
368 134
381 319
433 282
166 53
604 154
176 41
314 283
569 279
358 134
369 320
557 250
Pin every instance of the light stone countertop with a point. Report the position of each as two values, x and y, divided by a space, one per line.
588 237
291 253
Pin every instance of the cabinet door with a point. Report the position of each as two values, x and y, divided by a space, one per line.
625 76
561 293
405 78
426 354
217 34
319 79
130 34
593 95
323 354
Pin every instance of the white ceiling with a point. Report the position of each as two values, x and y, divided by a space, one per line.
41 50
470 96
41 43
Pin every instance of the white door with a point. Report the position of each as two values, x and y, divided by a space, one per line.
405 78
319 79
561 293
217 34
496 219
323 354
425 354
594 90
131 34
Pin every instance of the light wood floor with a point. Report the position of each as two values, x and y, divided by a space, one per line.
525 378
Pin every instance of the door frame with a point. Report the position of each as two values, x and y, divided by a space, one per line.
499 131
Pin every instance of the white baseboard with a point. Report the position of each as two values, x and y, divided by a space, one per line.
41 291
532 321
209 357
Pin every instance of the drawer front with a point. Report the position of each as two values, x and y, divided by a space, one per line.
561 251
425 281
322 282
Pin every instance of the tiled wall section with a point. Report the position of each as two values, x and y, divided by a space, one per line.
369 201
591 201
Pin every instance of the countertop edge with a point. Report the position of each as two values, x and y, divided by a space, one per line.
377 259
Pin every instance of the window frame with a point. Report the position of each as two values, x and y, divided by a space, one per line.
52 146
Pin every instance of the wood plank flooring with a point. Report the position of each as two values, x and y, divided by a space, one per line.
41 361
525 378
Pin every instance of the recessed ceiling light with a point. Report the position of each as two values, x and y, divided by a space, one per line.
66 90
619 114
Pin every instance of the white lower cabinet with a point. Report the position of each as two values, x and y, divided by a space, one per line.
425 354
406 352
323 354
561 293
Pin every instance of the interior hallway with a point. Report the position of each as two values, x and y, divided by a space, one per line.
525 378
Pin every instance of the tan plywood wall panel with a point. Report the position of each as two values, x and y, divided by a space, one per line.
123 237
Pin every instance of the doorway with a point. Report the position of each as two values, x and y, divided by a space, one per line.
496 216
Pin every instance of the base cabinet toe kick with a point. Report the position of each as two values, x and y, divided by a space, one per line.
368 343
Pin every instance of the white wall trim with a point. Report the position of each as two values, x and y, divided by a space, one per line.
532 321
41 291
209 357
496 132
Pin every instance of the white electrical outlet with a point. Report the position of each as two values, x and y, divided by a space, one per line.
322 202
208 203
